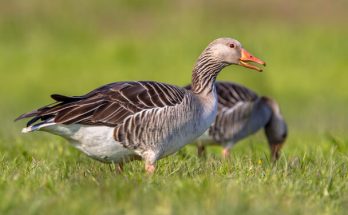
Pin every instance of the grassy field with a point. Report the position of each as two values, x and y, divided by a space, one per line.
71 48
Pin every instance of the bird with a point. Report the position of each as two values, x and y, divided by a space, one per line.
241 113
141 120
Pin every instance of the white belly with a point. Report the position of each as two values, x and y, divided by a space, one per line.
95 141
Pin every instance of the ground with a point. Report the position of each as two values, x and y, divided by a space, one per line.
46 175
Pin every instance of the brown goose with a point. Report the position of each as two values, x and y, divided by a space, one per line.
147 120
241 112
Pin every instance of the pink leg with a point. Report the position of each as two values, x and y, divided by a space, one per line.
119 168
225 153
150 168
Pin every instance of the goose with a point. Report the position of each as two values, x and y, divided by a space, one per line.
241 112
124 121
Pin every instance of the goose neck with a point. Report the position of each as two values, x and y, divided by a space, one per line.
204 74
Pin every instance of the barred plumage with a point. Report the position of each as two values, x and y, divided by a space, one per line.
241 113
122 121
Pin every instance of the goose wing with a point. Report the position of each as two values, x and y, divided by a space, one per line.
108 105
236 105
231 122
231 94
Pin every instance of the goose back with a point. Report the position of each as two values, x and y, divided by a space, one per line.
108 105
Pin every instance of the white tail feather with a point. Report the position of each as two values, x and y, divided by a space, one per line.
38 126
26 130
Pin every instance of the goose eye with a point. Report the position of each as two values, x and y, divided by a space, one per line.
232 45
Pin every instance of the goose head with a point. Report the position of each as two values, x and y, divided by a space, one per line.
276 130
230 51
220 53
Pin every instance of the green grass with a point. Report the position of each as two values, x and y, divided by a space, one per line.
70 48
45 175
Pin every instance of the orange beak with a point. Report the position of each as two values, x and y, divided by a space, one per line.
247 57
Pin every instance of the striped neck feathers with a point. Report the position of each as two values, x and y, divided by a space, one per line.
205 71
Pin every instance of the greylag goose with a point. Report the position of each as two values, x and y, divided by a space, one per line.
147 120
241 112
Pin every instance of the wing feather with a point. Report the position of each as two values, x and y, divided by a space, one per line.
229 94
231 121
236 106
109 104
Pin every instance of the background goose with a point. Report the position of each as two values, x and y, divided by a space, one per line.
146 120
241 112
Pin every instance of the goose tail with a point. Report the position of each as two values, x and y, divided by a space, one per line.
38 126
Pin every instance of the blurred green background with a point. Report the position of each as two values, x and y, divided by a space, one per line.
72 47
